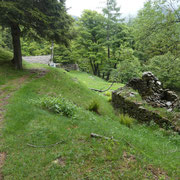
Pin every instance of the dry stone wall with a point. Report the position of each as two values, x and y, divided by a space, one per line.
151 92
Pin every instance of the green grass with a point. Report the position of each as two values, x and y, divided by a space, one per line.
141 153
94 81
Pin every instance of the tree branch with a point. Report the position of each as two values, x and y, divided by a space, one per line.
98 90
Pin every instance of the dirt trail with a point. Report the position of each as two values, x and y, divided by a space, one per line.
6 91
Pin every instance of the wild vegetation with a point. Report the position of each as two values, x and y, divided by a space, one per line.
47 115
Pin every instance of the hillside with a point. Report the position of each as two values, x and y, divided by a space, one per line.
42 144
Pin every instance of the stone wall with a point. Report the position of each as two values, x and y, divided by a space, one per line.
137 111
152 91
45 59
68 67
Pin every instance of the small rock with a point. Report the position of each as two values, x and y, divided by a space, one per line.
169 110
132 94
159 83
168 103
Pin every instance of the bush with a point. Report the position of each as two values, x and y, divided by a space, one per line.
94 106
57 105
109 95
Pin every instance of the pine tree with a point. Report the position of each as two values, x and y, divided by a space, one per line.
40 18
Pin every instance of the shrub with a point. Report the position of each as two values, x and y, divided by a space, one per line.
94 106
126 120
57 105
107 93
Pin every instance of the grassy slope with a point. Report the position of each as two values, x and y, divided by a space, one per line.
80 157
93 81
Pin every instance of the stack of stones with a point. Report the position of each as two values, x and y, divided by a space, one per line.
152 91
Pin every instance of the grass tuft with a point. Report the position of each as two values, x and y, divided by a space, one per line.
126 120
94 106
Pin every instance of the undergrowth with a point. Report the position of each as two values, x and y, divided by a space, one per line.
56 104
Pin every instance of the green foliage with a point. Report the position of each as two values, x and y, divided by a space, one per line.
57 105
157 29
128 68
63 54
94 106
39 18
90 40
5 55
5 38
46 19
35 48
126 120
167 69
107 93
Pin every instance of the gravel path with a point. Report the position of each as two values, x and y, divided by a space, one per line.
38 59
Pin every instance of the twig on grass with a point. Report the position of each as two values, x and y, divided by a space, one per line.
51 145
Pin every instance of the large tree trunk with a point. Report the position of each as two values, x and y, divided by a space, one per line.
16 33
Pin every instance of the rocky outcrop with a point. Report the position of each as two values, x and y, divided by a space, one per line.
152 91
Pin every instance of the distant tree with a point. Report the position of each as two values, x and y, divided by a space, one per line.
157 29
112 15
128 67
38 18
112 27
91 39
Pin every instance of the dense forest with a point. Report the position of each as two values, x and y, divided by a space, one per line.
116 48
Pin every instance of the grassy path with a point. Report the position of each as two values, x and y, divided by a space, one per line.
6 91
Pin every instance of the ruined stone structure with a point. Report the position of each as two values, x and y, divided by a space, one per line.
151 93
68 67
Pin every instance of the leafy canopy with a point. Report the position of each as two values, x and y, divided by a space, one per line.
44 18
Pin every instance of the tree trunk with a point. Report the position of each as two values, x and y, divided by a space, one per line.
108 75
103 75
16 33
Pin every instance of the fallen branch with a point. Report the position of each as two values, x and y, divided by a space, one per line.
93 135
51 145
98 90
